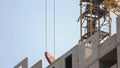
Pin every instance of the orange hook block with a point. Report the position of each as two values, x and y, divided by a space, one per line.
49 58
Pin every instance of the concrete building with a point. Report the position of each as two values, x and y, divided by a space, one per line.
91 54
88 54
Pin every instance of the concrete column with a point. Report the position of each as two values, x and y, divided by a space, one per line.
22 64
118 29
85 62
118 56
118 40
38 64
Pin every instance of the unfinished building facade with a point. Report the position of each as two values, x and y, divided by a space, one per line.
88 54
93 54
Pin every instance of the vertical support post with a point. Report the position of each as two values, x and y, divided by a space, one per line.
81 21
109 19
99 26
99 29
91 17
118 40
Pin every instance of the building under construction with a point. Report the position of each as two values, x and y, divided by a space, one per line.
97 47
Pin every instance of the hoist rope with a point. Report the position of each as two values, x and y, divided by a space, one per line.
46 25
54 29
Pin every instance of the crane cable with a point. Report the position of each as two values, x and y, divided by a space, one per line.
54 29
45 25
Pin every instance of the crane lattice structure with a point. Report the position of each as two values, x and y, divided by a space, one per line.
95 17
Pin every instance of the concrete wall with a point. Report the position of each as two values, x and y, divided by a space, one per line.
94 53
94 65
118 55
60 62
23 63
107 46
86 62
78 54
114 66
38 64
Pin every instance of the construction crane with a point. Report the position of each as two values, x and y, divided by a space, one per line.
95 17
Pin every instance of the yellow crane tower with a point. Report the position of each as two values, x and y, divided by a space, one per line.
95 17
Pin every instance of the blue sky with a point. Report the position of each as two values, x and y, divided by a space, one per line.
22 30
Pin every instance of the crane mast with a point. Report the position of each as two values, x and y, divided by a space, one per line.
95 17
